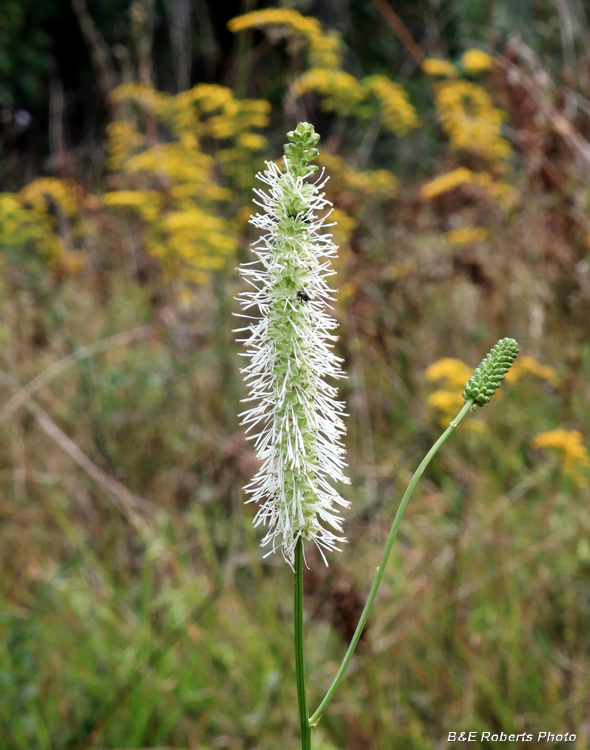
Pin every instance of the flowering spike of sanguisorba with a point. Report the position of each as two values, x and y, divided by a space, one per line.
295 420
488 377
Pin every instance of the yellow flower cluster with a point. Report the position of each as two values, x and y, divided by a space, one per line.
448 400
528 365
453 372
45 217
65 195
346 95
434 66
474 61
20 228
370 182
342 230
470 120
574 455
171 186
325 50
397 112
124 138
340 91
445 182
466 235
504 194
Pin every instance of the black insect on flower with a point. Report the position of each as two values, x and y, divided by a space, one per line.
303 296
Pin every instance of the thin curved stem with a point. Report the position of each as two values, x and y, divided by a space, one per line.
299 660
381 569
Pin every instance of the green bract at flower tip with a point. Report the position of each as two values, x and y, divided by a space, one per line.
302 150
488 377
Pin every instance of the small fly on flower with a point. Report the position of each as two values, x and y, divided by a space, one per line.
303 296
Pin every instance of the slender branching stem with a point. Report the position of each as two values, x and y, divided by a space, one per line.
381 569
299 657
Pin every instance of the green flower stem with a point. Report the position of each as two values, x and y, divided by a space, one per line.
299 660
381 569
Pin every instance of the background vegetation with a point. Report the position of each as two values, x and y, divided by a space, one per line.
135 608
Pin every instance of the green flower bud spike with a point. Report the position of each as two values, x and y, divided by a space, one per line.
488 377
302 150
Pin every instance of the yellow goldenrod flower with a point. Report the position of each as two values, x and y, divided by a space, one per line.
453 372
65 194
345 226
341 91
466 235
182 225
574 455
504 194
436 67
446 182
22 226
370 182
47 213
123 138
397 112
526 365
448 400
475 61
470 120
324 49
146 202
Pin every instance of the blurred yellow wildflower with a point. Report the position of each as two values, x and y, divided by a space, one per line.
148 203
344 226
22 228
397 112
370 182
447 181
44 218
465 235
341 91
30 224
65 195
173 186
437 67
504 194
470 120
525 365
325 50
448 400
453 372
574 455
475 61
123 139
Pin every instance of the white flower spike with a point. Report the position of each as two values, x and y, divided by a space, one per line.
296 421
